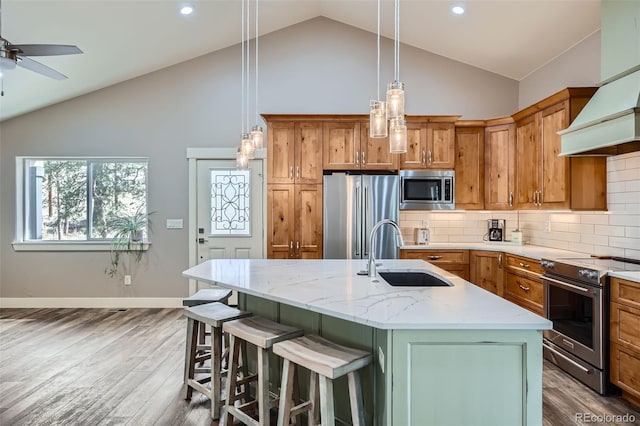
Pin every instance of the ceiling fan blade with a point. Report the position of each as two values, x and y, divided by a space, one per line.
35 66
46 49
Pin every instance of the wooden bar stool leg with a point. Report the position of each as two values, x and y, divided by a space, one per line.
263 386
314 395
355 398
286 392
327 412
216 367
190 356
232 377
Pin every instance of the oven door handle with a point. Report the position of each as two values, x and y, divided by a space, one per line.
566 358
567 285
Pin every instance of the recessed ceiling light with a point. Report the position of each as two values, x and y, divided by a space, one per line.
186 9
457 9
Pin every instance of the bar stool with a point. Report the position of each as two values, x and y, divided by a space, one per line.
214 315
207 295
326 361
262 333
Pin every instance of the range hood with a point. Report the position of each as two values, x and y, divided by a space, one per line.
610 122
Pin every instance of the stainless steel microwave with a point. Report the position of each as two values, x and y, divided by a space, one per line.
427 190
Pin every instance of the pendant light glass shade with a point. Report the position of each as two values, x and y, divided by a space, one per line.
377 120
395 100
257 137
247 146
242 162
397 136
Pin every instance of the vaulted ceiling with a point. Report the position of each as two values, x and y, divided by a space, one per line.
122 39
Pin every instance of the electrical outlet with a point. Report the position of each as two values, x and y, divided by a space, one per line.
127 280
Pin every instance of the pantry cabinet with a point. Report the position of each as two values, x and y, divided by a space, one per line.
469 160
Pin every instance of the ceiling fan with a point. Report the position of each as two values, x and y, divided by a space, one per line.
19 54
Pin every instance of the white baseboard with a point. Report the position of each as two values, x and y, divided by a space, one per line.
90 302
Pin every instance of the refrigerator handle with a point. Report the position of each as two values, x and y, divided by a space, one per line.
358 224
365 200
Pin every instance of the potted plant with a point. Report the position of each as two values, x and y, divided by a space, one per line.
127 237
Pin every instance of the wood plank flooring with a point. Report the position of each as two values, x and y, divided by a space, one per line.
117 367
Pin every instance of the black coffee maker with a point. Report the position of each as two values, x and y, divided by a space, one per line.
496 229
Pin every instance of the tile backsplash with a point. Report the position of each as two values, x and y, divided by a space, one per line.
615 232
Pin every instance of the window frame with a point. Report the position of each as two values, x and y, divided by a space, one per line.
89 244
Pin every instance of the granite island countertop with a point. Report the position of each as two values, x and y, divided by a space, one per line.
332 287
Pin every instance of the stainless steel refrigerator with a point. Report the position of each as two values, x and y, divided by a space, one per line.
352 205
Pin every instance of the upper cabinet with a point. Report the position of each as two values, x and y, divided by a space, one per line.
294 152
375 153
470 170
430 143
543 179
499 164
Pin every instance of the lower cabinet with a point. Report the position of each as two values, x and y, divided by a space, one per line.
524 284
625 338
294 221
454 261
486 271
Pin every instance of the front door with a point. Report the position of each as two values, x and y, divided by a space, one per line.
229 211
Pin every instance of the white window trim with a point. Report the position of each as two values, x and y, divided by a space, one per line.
19 243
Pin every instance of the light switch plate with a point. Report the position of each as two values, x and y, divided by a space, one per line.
175 224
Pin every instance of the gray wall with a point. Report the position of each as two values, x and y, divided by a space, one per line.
319 66
577 67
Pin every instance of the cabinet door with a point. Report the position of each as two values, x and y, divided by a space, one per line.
469 168
416 155
527 163
440 145
341 145
280 221
555 183
375 153
308 152
486 271
499 163
308 222
280 148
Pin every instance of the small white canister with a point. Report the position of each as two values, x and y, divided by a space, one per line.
516 236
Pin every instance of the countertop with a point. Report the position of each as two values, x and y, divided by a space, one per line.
533 252
626 275
332 287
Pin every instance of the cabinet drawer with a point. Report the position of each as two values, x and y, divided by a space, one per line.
525 289
460 270
625 326
625 369
437 256
524 264
625 292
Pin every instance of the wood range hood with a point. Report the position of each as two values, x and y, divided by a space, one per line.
610 123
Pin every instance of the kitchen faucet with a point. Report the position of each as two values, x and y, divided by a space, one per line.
371 265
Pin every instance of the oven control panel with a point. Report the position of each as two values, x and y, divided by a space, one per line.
588 274
547 264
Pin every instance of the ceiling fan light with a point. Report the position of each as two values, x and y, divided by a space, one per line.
395 100
6 63
397 136
257 136
378 119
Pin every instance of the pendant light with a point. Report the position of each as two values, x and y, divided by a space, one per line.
257 136
246 151
395 97
378 110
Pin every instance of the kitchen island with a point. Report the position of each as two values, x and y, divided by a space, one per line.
455 355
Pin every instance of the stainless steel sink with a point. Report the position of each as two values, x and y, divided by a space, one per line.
413 279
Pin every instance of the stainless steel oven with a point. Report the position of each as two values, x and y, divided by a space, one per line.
577 302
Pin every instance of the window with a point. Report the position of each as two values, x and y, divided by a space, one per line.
230 202
78 199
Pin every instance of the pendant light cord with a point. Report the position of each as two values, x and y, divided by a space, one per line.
257 35
378 82
396 69
242 72
248 51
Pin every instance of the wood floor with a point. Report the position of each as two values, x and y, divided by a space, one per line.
115 367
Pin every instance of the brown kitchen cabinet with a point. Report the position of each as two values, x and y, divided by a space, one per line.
430 143
294 151
625 338
486 270
499 164
454 261
469 160
375 153
542 178
294 221
523 285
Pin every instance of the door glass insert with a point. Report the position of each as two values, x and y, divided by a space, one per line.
230 202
